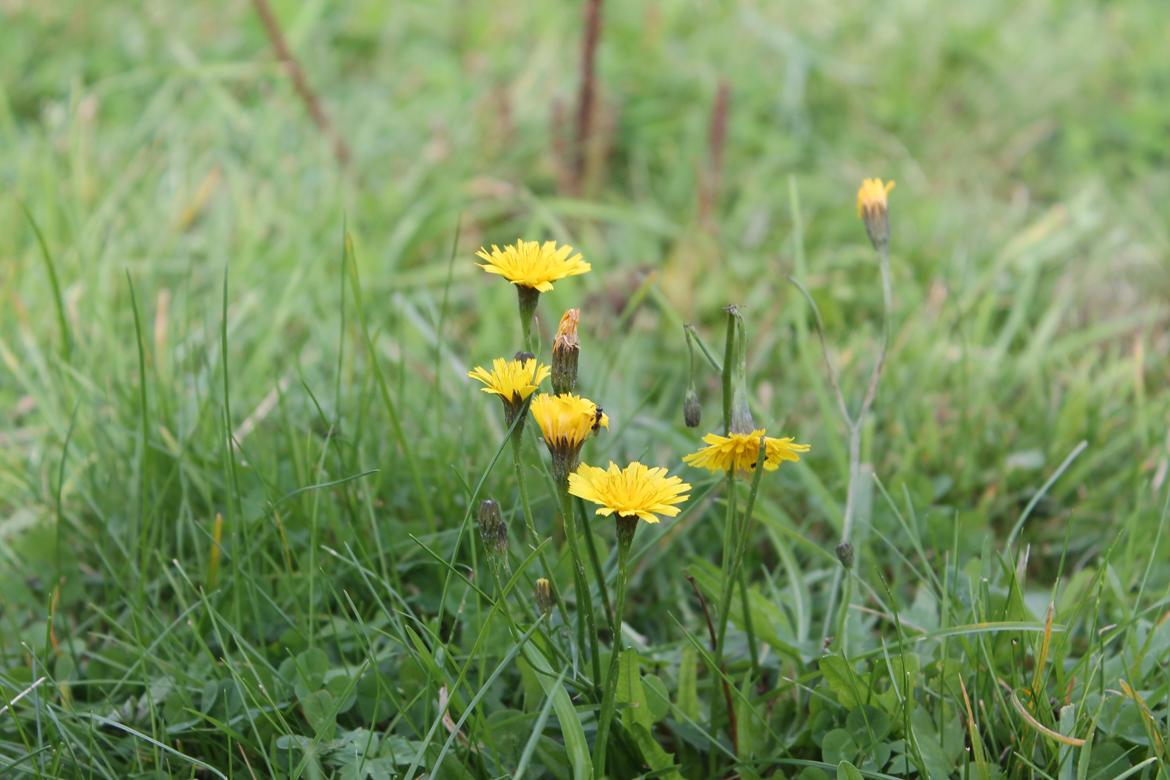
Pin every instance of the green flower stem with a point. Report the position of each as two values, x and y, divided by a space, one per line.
744 534
728 367
528 298
737 529
595 563
605 719
728 583
526 503
839 636
855 423
748 627
584 600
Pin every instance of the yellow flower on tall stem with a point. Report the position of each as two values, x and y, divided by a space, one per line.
741 451
532 267
533 264
513 381
566 421
633 493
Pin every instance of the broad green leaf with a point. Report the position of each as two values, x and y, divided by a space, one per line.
655 756
749 723
929 745
533 693
846 771
311 666
657 696
688 697
839 745
630 695
769 621
841 680
320 710
868 724
571 729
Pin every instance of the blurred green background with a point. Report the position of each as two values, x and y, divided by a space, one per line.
163 141
188 205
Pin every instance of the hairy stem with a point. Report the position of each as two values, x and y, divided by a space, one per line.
529 522
584 598
856 424
607 701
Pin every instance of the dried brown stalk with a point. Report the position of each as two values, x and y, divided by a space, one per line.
587 91
300 83
716 139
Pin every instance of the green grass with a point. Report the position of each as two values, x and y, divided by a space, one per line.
183 334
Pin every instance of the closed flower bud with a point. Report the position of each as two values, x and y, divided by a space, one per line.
493 532
565 352
543 595
692 411
873 208
845 554
741 413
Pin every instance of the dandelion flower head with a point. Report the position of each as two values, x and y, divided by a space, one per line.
635 491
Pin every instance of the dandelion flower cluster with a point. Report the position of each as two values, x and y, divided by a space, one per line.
741 451
533 264
635 491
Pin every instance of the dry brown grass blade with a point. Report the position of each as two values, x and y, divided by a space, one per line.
712 180
1030 719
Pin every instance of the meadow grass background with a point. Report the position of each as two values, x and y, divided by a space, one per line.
192 283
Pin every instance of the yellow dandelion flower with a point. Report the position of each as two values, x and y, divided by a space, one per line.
533 264
741 451
511 380
566 421
871 197
635 491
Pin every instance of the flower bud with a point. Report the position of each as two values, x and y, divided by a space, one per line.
543 595
565 352
737 410
845 554
493 532
692 411
872 207
741 413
